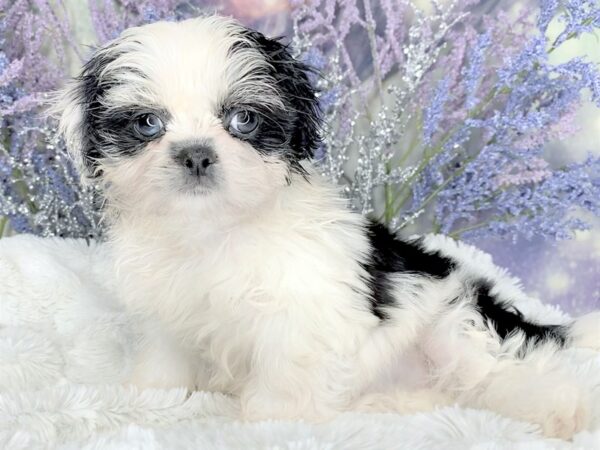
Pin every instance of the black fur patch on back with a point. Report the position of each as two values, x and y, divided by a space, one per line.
507 320
392 255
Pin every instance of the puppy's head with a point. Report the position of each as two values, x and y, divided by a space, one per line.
191 114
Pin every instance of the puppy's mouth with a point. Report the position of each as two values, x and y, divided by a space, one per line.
198 186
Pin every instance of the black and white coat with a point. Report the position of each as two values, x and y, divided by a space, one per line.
257 280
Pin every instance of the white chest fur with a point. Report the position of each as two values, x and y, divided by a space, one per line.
279 290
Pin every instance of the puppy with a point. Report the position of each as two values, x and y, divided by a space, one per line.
255 278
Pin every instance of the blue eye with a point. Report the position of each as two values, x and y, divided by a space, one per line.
243 122
148 125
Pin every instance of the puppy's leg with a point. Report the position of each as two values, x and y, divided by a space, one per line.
402 401
538 389
494 356
516 377
161 363
292 376
281 388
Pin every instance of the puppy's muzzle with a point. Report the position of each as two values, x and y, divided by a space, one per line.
198 160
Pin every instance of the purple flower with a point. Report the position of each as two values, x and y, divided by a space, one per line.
473 71
472 111
434 112
579 16
548 9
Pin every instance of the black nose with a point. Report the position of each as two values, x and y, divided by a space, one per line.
197 159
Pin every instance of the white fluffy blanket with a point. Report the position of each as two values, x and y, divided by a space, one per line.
65 346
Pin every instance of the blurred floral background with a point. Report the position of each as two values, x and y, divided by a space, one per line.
478 119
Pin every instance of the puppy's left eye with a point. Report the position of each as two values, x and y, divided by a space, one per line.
148 125
243 122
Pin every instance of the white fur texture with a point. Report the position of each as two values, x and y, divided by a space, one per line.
257 288
287 328
65 345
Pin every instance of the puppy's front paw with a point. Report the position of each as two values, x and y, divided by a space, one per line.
162 363
402 401
144 379
257 405
162 370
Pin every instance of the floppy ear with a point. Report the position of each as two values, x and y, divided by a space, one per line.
74 108
292 78
67 109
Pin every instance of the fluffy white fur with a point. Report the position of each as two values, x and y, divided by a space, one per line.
66 343
256 288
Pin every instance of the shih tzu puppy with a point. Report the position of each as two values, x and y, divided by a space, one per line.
255 278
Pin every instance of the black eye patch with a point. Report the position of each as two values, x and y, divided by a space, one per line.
268 131
293 130
121 131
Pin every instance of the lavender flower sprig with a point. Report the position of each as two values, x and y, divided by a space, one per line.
440 126
469 122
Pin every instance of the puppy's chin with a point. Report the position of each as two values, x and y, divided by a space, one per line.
197 190
198 187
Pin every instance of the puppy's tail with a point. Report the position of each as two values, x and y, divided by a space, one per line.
584 332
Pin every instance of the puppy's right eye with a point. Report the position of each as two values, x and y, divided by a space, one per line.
148 126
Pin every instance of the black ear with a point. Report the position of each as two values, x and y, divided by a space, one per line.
79 107
292 78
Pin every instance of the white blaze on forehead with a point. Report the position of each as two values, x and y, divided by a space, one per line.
189 66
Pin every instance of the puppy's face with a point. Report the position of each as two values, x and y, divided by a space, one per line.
196 114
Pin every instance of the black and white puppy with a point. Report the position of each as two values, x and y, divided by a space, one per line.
261 283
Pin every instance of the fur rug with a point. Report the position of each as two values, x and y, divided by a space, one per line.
66 345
